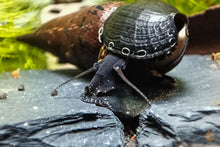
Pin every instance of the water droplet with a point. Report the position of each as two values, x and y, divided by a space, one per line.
76 84
26 124
35 108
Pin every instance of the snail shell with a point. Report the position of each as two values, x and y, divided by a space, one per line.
143 30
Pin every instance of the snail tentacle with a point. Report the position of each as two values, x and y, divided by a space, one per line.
92 69
118 68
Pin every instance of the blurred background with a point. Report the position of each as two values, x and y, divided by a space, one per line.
19 17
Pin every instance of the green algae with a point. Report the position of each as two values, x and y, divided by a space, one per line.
187 7
19 17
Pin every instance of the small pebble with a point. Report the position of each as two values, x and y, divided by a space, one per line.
54 93
3 95
21 88
134 137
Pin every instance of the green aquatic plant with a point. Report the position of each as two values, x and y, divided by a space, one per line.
187 7
190 7
19 17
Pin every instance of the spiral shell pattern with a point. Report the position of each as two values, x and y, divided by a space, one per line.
141 30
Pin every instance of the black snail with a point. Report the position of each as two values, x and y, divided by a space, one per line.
141 38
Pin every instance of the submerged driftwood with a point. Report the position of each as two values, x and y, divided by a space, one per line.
74 37
204 32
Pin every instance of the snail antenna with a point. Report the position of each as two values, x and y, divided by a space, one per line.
120 73
92 69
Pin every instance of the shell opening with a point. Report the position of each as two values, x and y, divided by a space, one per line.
180 21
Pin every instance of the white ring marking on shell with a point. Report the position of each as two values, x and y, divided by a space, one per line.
100 34
141 56
173 14
113 9
169 33
110 45
125 51
172 45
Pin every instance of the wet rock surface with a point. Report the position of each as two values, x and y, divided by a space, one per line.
192 115
32 117
77 129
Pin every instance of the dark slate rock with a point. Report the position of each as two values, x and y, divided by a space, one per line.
78 129
34 118
191 113
21 88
